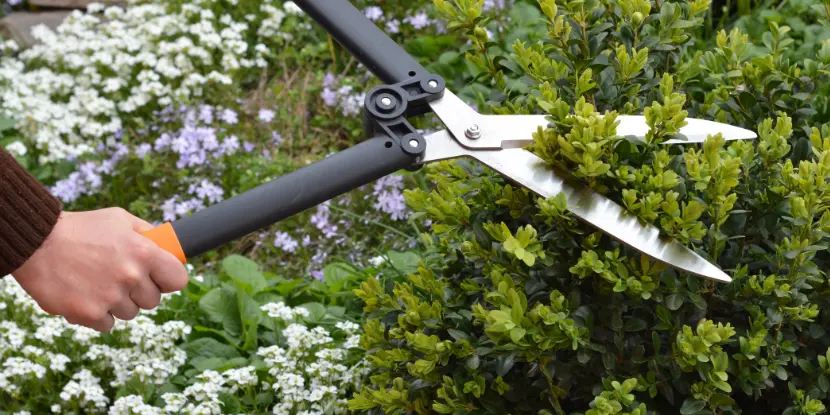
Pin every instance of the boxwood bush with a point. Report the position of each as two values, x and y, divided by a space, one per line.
519 308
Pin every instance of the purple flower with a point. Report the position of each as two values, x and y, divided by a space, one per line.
276 138
493 4
206 114
230 145
168 209
229 116
419 21
119 134
392 203
374 13
90 175
249 147
266 115
320 219
163 142
207 190
329 97
318 275
69 189
306 240
142 150
329 80
393 26
352 105
390 199
285 242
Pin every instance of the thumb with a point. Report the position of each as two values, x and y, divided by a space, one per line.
140 225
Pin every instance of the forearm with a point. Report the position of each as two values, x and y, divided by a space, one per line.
28 212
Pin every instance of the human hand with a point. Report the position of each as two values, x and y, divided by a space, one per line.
96 265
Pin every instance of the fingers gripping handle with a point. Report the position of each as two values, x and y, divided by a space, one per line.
281 198
165 237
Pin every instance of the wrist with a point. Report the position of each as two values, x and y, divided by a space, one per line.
28 214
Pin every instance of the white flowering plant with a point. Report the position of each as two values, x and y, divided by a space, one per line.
229 343
107 70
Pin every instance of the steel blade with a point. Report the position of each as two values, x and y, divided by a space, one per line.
514 131
696 131
531 172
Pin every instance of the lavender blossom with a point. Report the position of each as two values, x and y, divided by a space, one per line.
142 150
374 13
230 145
329 80
207 190
69 189
329 97
229 116
418 21
276 138
320 219
248 146
206 114
393 26
266 115
285 242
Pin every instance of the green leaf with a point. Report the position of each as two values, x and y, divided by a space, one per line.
316 311
674 302
337 274
525 14
692 406
210 363
220 305
719 399
404 262
504 363
6 124
209 347
245 273
635 324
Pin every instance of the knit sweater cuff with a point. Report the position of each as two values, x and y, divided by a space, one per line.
28 212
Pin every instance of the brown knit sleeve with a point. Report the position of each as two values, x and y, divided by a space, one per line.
28 212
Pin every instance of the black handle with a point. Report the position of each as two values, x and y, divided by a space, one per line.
288 195
363 39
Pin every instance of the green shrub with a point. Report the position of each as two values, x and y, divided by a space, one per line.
518 307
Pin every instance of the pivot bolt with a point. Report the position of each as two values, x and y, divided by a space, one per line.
433 84
473 132
386 101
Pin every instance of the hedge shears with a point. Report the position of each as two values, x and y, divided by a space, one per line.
497 141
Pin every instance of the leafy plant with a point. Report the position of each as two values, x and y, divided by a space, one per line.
517 307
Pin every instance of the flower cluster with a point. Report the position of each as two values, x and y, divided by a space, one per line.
313 372
107 69
39 351
417 19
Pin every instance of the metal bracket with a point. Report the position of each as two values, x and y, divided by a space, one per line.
387 108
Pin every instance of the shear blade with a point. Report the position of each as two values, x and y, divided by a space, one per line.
696 130
530 171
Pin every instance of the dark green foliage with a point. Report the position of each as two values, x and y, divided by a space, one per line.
518 308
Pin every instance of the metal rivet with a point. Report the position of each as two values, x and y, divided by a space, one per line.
433 84
473 132
413 143
386 101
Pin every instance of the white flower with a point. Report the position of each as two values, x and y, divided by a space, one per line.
293 9
17 147
283 312
377 261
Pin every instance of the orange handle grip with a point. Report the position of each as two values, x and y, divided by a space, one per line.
165 237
